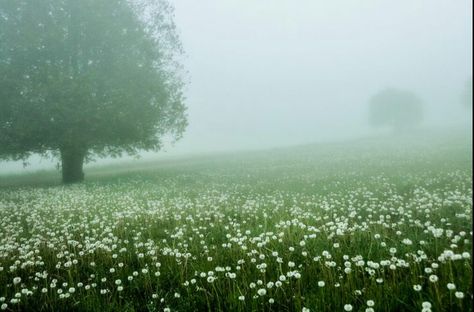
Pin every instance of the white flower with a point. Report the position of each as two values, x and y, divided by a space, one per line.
305 310
459 294
321 283
370 303
241 298
451 286
347 307
417 287
16 280
433 278
4 306
426 305
262 292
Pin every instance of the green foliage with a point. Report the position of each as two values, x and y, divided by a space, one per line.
101 77
398 109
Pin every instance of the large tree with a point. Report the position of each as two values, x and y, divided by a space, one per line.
88 78
398 109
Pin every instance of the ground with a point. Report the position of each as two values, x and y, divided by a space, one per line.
370 225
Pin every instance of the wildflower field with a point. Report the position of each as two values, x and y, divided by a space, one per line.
365 226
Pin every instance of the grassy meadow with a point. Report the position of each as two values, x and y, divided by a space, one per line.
370 225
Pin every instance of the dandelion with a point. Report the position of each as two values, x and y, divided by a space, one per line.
17 280
417 287
262 292
321 283
451 286
370 303
241 298
347 307
459 294
433 278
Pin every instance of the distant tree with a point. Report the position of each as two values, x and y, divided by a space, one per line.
398 109
88 78
467 94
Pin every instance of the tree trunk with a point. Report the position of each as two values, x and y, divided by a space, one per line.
72 160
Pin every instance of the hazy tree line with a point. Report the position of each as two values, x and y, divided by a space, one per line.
402 110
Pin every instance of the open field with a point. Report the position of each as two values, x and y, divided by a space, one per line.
371 225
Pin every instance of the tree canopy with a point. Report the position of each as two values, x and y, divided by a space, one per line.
399 109
85 78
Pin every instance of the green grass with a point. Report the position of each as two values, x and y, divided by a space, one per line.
323 208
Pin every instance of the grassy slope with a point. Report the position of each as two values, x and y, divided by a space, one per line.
391 170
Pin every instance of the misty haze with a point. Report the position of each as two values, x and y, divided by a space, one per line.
224 155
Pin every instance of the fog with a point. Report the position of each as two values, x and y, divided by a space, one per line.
273 73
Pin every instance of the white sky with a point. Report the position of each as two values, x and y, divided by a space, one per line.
269 73
273 72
